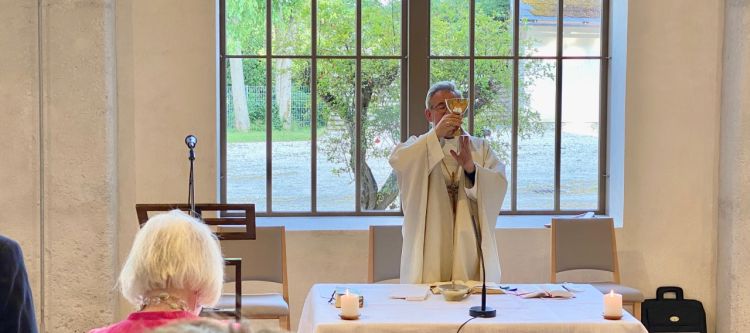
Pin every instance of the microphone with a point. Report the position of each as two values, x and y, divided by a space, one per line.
482 311
191 141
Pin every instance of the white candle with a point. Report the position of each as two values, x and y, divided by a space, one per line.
612 304
349 304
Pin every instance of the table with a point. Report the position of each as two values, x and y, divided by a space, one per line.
582 314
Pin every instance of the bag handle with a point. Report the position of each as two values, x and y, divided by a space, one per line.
669 289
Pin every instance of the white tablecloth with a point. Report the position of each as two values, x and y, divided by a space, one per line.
514 314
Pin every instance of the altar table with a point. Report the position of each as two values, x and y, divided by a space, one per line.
582 314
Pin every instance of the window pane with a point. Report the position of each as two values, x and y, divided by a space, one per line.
337 26
245 27
335 146
449 27
538 27
381 27
536 135
450 70
579 164
290 22
493 105
291 135
246 132
582 24
381 128
493 35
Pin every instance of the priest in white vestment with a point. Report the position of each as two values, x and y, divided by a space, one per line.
441 187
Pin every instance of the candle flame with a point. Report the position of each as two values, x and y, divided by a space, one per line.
611 292
347 291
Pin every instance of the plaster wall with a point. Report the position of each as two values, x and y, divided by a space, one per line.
19 124
166 64
57 85
79 163
734 196
671 147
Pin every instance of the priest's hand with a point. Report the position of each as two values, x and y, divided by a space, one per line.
447 125
464 157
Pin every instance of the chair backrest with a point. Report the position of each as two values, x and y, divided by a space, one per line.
584 243
385 253
263 259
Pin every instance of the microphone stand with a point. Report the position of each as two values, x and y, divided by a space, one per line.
191 186
482 311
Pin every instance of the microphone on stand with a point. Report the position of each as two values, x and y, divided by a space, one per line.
191 141
482 311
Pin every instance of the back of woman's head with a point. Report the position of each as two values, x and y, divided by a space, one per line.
174 251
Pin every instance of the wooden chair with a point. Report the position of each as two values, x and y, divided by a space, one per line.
263 260
385 253
589 243
243 228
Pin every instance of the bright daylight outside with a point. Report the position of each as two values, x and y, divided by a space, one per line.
298 78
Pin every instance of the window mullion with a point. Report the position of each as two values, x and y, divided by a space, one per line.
603 108
314 107
472 5
418 55
269 107
514 122
222 103
558 102
358 111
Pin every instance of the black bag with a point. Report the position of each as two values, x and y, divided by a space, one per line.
673 314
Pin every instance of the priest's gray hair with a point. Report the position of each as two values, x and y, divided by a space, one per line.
440 86
174 251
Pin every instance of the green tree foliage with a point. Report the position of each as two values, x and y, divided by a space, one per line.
381 78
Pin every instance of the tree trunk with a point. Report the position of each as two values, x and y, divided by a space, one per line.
283 89
239 96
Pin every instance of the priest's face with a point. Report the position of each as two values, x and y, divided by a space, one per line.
437 108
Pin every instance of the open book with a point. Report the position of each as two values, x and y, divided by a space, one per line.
546 291
476 286
409 292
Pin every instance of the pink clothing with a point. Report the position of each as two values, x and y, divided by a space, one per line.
138 322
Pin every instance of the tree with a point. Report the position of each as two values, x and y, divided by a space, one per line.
381 78
242 23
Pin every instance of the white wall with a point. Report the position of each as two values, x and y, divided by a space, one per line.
58 190
672 146
166 88
19 123
734 196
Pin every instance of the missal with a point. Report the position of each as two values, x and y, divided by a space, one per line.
547 290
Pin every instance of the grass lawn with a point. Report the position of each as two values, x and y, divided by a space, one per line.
278 135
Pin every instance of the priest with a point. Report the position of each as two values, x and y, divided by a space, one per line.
445 179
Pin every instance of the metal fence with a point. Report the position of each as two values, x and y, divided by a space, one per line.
256 107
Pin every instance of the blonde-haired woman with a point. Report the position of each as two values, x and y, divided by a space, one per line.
174 268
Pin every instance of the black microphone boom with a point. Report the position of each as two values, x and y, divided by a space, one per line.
482 311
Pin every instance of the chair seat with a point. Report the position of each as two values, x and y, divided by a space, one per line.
257 305
629 295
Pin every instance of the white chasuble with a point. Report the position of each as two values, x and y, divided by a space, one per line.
439 245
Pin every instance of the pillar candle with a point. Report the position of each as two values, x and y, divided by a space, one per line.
349 304
612 304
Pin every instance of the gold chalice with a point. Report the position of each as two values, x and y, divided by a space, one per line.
457 106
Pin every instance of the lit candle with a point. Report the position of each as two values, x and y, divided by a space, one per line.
612 305
349 305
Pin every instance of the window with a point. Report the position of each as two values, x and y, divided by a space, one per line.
315 94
